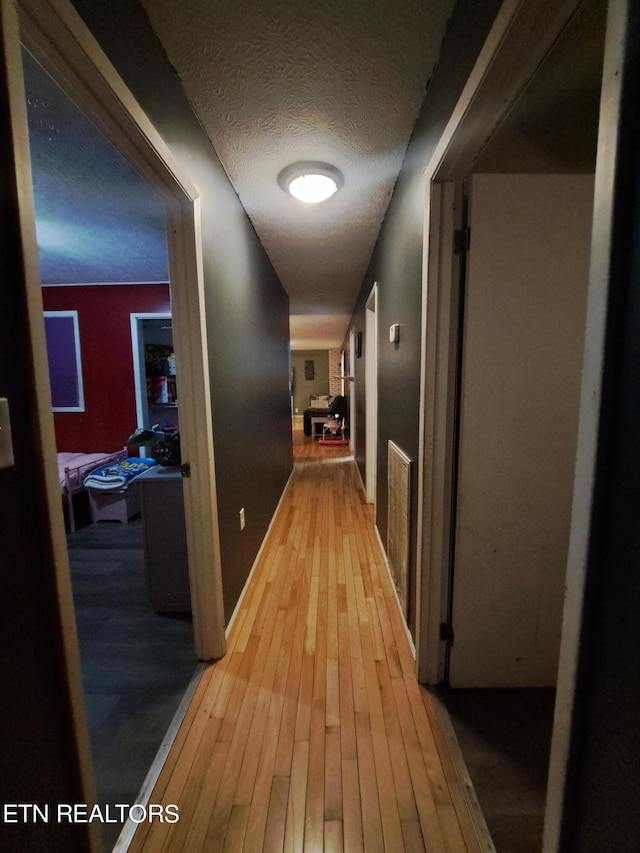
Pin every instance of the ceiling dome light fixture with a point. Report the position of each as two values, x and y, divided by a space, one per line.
311 182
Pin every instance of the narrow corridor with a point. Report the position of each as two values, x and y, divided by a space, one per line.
312 733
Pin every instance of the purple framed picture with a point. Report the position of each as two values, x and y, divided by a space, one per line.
65 366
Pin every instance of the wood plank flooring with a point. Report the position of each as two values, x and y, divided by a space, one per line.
312 733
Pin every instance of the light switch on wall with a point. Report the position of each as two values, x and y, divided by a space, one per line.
6 442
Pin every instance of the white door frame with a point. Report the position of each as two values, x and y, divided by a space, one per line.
519 39
352 391
521 35
371 394
617 48
138 375
56 36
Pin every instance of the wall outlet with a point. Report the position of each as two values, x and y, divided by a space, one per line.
297 410
242 519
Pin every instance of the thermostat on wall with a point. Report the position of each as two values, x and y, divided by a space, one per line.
394 333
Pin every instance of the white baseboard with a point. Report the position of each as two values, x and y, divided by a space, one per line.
360 480
412 645
478 820
236 609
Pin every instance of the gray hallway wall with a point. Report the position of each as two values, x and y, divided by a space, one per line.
397 267
247 310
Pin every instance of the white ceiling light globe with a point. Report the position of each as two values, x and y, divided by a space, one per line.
313 188
310 182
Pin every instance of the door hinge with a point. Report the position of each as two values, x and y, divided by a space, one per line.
446 632
461 241
185 469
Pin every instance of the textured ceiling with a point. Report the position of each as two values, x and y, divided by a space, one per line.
339 81
96 220
274 83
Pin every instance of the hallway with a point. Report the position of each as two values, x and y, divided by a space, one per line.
312 732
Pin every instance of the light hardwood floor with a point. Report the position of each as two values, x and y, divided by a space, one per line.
312 733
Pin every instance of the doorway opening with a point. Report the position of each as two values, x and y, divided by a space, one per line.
352 395
137 657
371 395
61 44
500 481
154 371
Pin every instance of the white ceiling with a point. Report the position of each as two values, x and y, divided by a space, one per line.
274 82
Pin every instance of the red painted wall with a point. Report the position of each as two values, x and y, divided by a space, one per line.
107 360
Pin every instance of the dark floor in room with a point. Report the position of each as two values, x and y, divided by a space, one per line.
136 664
505 737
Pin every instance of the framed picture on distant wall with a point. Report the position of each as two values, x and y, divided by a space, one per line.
65 365
309 370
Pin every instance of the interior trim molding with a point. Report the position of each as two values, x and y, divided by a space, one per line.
59 40
483 835
238 607
521 36
407 632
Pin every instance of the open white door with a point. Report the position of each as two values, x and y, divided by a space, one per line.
526 287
